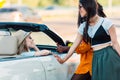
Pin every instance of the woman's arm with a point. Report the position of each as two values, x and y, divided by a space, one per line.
42 52
39 52
113 36
71 50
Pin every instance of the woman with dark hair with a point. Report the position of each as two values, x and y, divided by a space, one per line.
100 33
83 71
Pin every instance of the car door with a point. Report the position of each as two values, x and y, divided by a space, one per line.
54 70
29 68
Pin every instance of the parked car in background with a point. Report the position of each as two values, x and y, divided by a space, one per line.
16 67
16 13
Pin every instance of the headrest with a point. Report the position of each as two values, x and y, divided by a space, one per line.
8 45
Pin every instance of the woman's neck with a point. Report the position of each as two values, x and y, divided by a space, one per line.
94 20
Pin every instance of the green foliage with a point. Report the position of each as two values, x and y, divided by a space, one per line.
60 2
54 2
116 2
45 2
42 3
31 3
105 2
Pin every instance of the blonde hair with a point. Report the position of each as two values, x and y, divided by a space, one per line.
23 47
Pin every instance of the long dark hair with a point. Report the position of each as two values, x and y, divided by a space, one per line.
92 8
99 11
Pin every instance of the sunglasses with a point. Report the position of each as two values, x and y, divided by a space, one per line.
80 6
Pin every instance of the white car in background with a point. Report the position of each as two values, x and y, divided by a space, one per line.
16 13
16 67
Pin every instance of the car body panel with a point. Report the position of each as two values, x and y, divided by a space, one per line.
22 69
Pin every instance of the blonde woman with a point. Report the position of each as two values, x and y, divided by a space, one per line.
25 42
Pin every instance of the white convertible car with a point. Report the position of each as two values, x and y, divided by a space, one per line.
16 67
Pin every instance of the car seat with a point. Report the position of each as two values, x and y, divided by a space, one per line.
8 45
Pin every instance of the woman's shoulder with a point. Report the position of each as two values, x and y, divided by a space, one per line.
107 23
107 20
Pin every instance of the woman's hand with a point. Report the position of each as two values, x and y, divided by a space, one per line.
61 48
44 52
58 59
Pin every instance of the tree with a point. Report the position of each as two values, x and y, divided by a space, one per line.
45 2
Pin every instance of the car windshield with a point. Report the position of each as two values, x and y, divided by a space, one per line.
41 38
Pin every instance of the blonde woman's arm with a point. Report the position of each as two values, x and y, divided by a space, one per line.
39 52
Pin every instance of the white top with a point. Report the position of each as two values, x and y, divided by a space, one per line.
106 23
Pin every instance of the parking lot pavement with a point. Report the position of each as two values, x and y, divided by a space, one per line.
66 28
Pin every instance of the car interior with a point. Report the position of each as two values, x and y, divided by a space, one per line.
8 45
43 37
